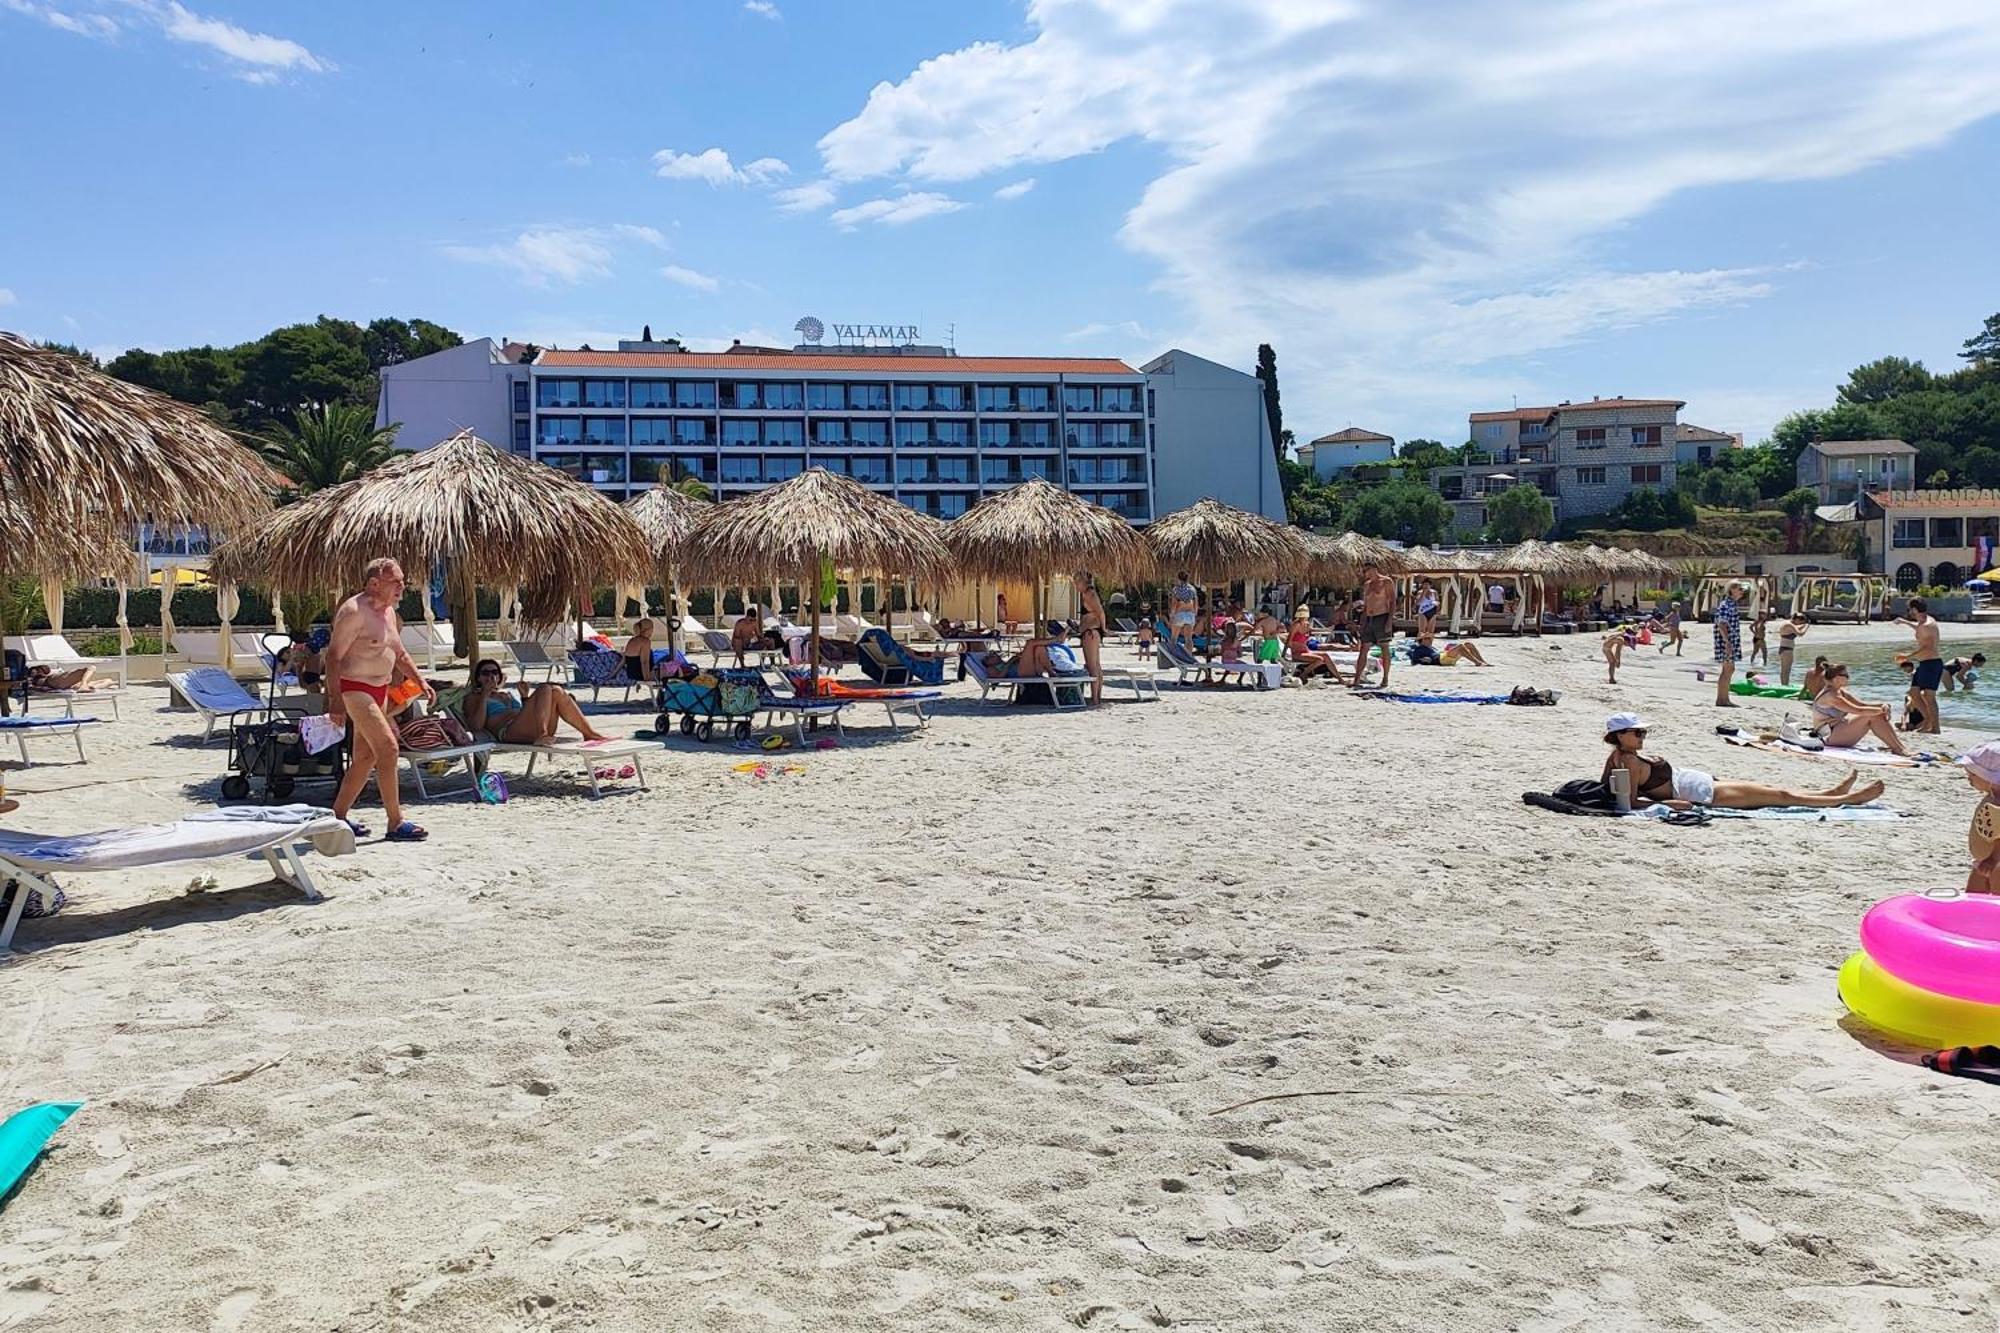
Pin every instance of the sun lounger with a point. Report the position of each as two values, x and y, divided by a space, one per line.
1064 691
533 655
776 698
1837 753
453 756
1144 682
1175 657
215 694
598 671
28 858
885 660
900 701
586 756
56 651
20 728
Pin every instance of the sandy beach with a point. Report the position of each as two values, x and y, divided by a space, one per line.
937 1033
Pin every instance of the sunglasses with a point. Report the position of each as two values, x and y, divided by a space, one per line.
490 671
1637 731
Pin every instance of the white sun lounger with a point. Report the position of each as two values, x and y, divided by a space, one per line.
533 655
586 756
55 650
20 728
1175 657
216 695
28 858
467 755
1144 682
1066 691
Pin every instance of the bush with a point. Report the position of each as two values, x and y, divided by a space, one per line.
106 645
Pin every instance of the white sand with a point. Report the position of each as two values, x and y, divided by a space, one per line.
929 1037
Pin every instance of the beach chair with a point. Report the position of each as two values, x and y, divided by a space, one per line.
852 626
425 644
901 703
1064 691
598 671
585 756
776 698
215 694
1144 682
471 756
54 650
16 683
923 628
1175 657
71 728
533 655
28 859
885 660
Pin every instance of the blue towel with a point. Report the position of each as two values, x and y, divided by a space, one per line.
29 723
1390 696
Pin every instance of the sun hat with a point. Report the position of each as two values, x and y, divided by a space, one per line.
1618 722
1983 759
1303 613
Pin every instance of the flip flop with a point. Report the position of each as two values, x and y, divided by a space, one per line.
359 829
406 832
628 771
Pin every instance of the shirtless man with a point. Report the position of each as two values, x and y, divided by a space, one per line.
364 659
1378 595
1929 673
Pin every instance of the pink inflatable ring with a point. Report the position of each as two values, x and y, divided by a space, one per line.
1949 946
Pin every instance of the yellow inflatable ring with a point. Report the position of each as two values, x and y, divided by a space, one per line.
1912 1014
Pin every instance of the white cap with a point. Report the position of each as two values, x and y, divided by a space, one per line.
1983 759
1623 722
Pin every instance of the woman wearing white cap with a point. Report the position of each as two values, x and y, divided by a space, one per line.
1982 770
1657 782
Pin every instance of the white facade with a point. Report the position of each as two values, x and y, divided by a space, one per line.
1211 437
1330 455
437 396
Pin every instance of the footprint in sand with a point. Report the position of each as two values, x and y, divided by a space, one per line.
235 1308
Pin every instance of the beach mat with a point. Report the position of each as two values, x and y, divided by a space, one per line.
1872 813
1396 697
1838 753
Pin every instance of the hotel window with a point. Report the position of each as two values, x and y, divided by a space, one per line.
914 434
742 394
913 471
558 393
1491 430
1646 474
1975 528
559 432
868 434
1079 398
868 397
693 430
520 395
948 505
1590 437
995 434
1118 398
1643 435
784 435
651 393
826 397
784 397
954 471
603 467
1590 476
1947 532
949 398
522 436
1033 398
695 393
869 471
829 432
604 393
742 468
1908 532
996 398
782 468
652 430
604 431
738 434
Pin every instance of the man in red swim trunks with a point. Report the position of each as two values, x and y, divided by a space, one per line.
364 659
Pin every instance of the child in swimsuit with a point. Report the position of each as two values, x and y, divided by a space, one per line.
1982 839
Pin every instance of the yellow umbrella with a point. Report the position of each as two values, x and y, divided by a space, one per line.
1990 576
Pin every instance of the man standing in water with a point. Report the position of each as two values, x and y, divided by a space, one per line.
1728 643
1929 673
1378 598
364 659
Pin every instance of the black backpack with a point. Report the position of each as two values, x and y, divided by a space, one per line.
1586 792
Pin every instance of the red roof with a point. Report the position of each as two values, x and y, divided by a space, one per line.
1514 414
768 362
1596 403
1951 498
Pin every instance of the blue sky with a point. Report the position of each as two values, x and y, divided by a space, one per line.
1427 208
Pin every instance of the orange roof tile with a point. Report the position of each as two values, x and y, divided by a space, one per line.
1514 414
1945 498
769 362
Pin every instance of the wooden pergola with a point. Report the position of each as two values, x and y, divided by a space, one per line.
1839 597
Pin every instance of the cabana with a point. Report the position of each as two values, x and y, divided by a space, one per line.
1824 598
1454 575
1218 543
1709 590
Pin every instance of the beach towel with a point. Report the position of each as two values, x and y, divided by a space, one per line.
24 1135
1841 753
1872 813
41 723
1395 697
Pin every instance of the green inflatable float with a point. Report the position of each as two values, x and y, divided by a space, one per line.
1768 691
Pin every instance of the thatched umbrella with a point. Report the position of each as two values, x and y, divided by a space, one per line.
801 531
1341 557
1219 543
1037 530
78 448
491 517
667 515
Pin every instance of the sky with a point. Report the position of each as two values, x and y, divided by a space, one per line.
1428 207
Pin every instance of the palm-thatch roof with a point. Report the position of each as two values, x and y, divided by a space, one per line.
1339 559
1219 543
493 517
1424 558
1544 558
66 552
784 533
667 516
1037 531
78 448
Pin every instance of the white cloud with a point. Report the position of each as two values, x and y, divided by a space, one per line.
83 25
7 297
1016 190
1395 233
574 160
1127 330
895 210
762 8
547 255
713 165
687 277
807 198
263 56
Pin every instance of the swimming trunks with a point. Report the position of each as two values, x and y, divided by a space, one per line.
1375 629
379 693
1928 675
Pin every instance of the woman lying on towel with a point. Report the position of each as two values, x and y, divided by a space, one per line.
493 712
1657 782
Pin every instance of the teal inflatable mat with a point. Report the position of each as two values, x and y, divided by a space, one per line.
23 1137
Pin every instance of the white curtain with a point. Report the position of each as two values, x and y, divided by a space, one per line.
430 632
503 627
52 603
226 604
124 624
170 579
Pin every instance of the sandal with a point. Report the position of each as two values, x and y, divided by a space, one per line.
406 832
359 829
628 771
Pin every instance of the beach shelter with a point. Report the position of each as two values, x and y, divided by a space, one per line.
1038 531
666 515
1219 543
491 518
803 531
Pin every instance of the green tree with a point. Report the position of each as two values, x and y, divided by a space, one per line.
328 443
1879 380
1983 347
304 363
1403 510
1421 454
1737 492
1267 373
1798 505
71 349
1518 513
389 342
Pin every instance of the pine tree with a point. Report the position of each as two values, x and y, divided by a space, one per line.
1267 371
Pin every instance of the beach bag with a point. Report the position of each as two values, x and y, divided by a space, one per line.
1587 792
1528 696
492 788
424 733
737 697
37 905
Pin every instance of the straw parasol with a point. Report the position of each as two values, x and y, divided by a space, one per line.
492 518
1338 559
667 515
1219 543
1036 531
801 531
82 448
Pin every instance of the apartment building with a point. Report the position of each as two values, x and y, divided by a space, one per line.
1585 456
1343 450
1843 470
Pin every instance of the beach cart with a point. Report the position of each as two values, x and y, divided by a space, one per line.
728 697
269 749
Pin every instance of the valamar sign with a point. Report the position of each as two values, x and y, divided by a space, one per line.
857 335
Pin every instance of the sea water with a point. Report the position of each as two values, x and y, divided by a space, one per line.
1875 678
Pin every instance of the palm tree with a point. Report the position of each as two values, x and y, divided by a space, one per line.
1798 505
328 443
